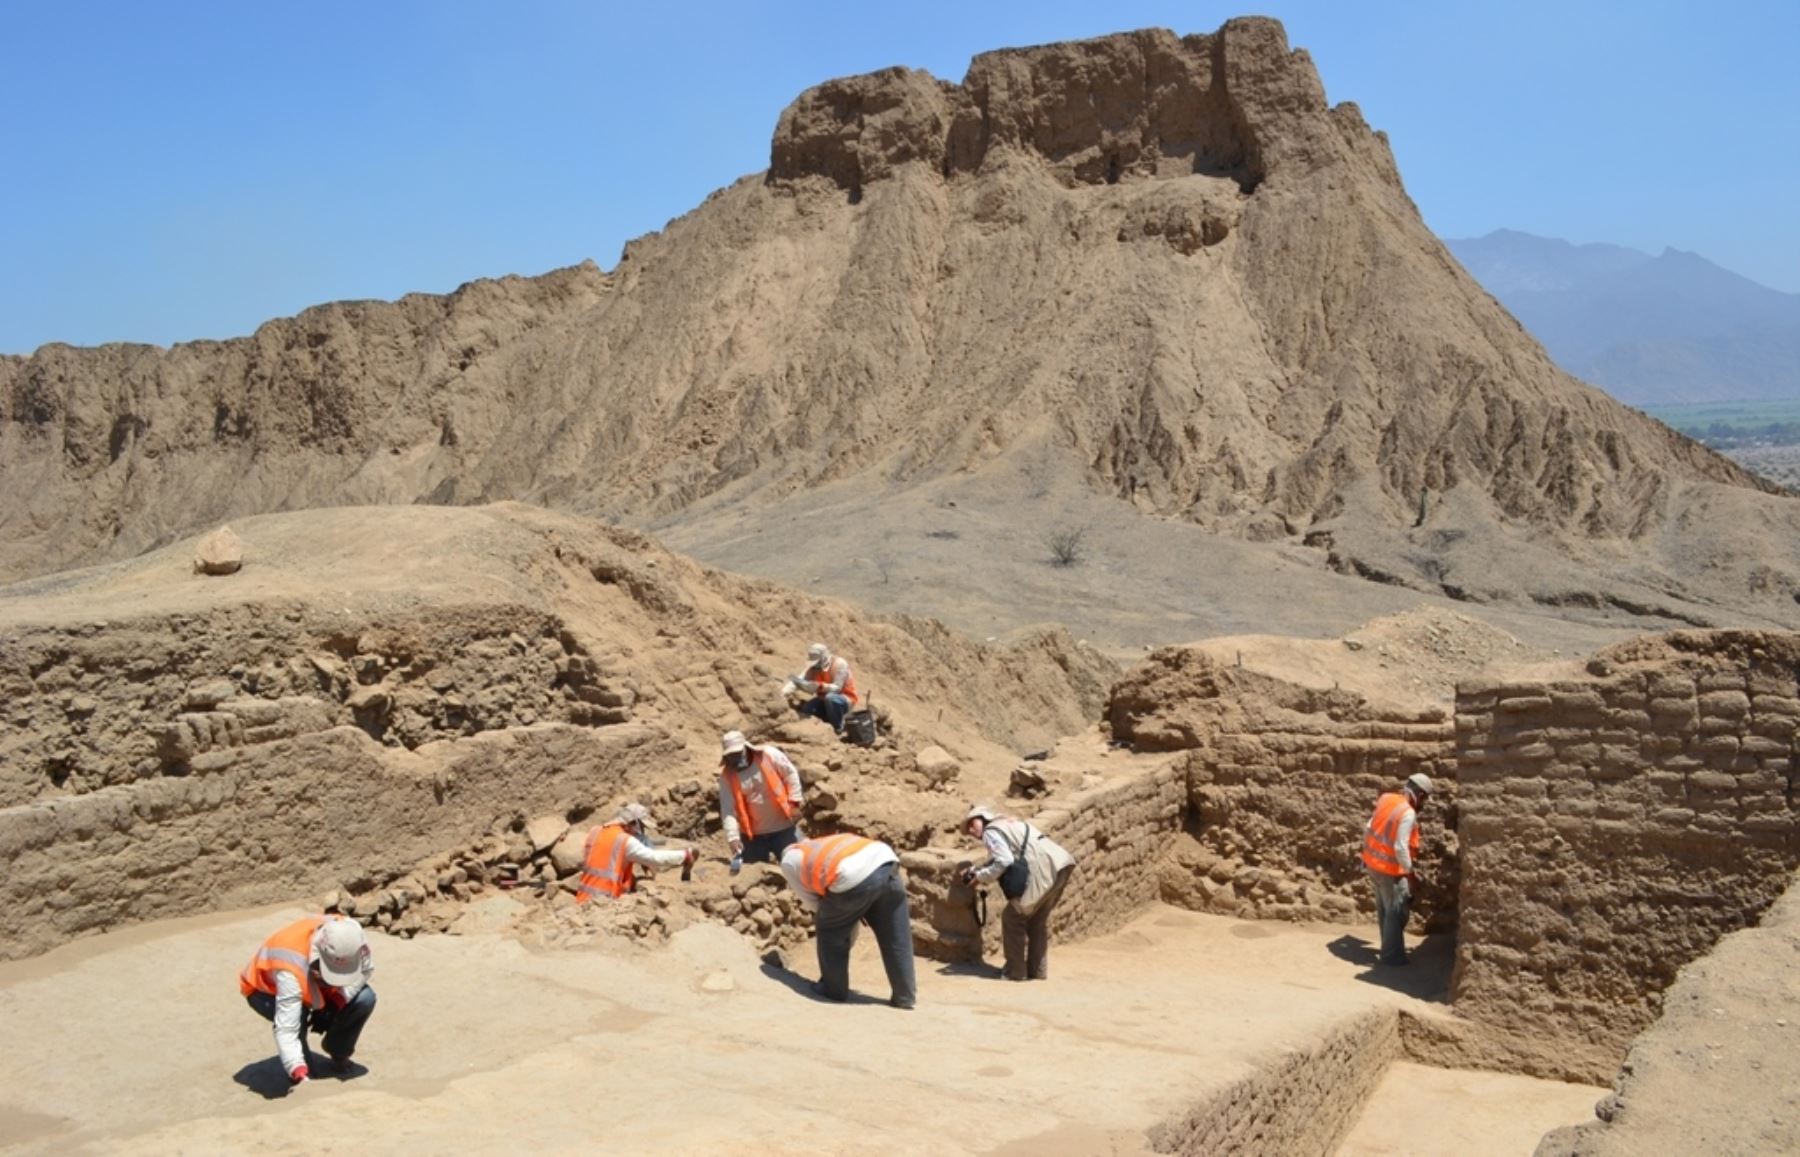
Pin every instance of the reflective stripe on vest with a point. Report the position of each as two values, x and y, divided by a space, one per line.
819 859
1378 840
607 871
773 783
290 951
829 675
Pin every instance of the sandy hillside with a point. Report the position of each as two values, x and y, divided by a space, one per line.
1161 268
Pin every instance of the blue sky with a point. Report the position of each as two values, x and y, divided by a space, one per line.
189 170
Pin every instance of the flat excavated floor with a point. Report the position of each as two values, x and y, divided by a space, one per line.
1487 1112
139 1042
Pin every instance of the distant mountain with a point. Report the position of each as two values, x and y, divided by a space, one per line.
1651 330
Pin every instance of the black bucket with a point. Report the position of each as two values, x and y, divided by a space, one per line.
859 727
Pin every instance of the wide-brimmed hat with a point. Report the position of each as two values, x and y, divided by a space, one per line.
982 812
732 742
1419 782
636 813
818 652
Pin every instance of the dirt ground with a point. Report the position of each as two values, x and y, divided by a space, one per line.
479 1040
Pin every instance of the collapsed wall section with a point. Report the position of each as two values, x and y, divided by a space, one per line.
1614 829
284 823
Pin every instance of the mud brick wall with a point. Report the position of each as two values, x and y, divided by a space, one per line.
258 824
1613 830
1117 833
1278 808
1303 1102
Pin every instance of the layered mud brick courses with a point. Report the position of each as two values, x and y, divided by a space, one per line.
1613 830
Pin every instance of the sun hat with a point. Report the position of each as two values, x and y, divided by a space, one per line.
340 944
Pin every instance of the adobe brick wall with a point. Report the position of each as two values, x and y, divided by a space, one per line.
1614 829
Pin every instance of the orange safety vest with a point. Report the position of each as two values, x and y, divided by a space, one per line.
290 951
819 859
827 675
1378 840
607 870
773 783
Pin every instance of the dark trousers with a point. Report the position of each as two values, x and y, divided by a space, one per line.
830 708
879 902
1026 939
767 848
342 1026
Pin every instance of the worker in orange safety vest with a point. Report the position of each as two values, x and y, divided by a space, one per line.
312 975
845 880
759 799
826 689
616 850
1390 853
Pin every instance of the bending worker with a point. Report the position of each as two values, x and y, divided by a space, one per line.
1031 891
1390 850
828 686
615 852
759 798
846 880
312 975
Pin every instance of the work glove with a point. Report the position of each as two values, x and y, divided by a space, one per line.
298 1076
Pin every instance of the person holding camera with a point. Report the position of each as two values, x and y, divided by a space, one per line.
1033 870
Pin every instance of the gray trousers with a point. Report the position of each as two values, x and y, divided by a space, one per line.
1026 939
1393 904
880 902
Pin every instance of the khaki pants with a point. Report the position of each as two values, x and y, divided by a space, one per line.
1026 939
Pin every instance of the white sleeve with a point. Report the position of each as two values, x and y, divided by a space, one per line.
789 774
1000 854
1403 840
790 867
287 1022
638 852
727 809
840 674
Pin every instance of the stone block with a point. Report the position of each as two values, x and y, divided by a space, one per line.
1777 705
1713 780
544 831
1716 744
1523 703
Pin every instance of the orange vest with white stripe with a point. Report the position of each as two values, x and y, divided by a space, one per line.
607 871
773 783
829 675
290 951
820 859
1378 841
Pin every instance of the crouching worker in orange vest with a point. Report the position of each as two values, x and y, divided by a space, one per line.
617 850
1390 849
845 880
827 687
759 799
313 976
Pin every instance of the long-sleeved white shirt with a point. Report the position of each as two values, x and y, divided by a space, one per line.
829 679
765 813
288 1005
645 856
852 870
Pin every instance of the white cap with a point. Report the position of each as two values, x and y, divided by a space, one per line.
818 653
1419 782
732 742
981 812
340 943
635 813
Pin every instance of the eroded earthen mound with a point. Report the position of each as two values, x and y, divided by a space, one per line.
1164 264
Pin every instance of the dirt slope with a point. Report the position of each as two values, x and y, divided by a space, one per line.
1161 267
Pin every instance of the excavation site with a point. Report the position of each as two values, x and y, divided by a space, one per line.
1113 415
